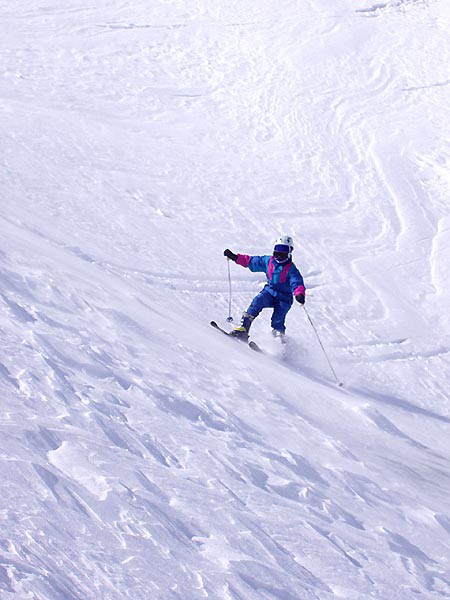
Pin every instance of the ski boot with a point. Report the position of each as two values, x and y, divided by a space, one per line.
241 332
279 335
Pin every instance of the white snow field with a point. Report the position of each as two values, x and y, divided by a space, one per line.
145 456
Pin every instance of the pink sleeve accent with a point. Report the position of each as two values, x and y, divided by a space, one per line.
300 290
243 260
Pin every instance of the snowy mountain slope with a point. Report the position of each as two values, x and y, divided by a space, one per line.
143 454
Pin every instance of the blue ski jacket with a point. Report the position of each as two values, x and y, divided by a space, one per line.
283 281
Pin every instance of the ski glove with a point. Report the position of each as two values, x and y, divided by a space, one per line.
230 255
300 298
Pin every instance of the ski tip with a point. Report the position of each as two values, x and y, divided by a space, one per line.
254 346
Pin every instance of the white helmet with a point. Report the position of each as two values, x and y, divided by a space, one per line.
284 245
285 240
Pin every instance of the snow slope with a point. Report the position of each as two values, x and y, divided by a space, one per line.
145 456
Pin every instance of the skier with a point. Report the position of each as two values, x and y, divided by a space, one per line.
284 281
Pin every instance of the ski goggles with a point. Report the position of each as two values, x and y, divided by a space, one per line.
280 255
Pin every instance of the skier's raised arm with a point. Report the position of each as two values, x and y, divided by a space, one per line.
254 263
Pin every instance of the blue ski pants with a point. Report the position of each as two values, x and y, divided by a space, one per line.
280 308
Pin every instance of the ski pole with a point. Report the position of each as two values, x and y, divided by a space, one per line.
340 384
229 318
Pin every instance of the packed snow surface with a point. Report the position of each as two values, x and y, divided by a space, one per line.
143 454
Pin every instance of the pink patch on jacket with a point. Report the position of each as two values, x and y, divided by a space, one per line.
284 272
270 268
300 290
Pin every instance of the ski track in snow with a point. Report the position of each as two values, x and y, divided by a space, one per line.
145 456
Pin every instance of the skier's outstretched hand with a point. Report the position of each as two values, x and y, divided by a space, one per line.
230 255
300 298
